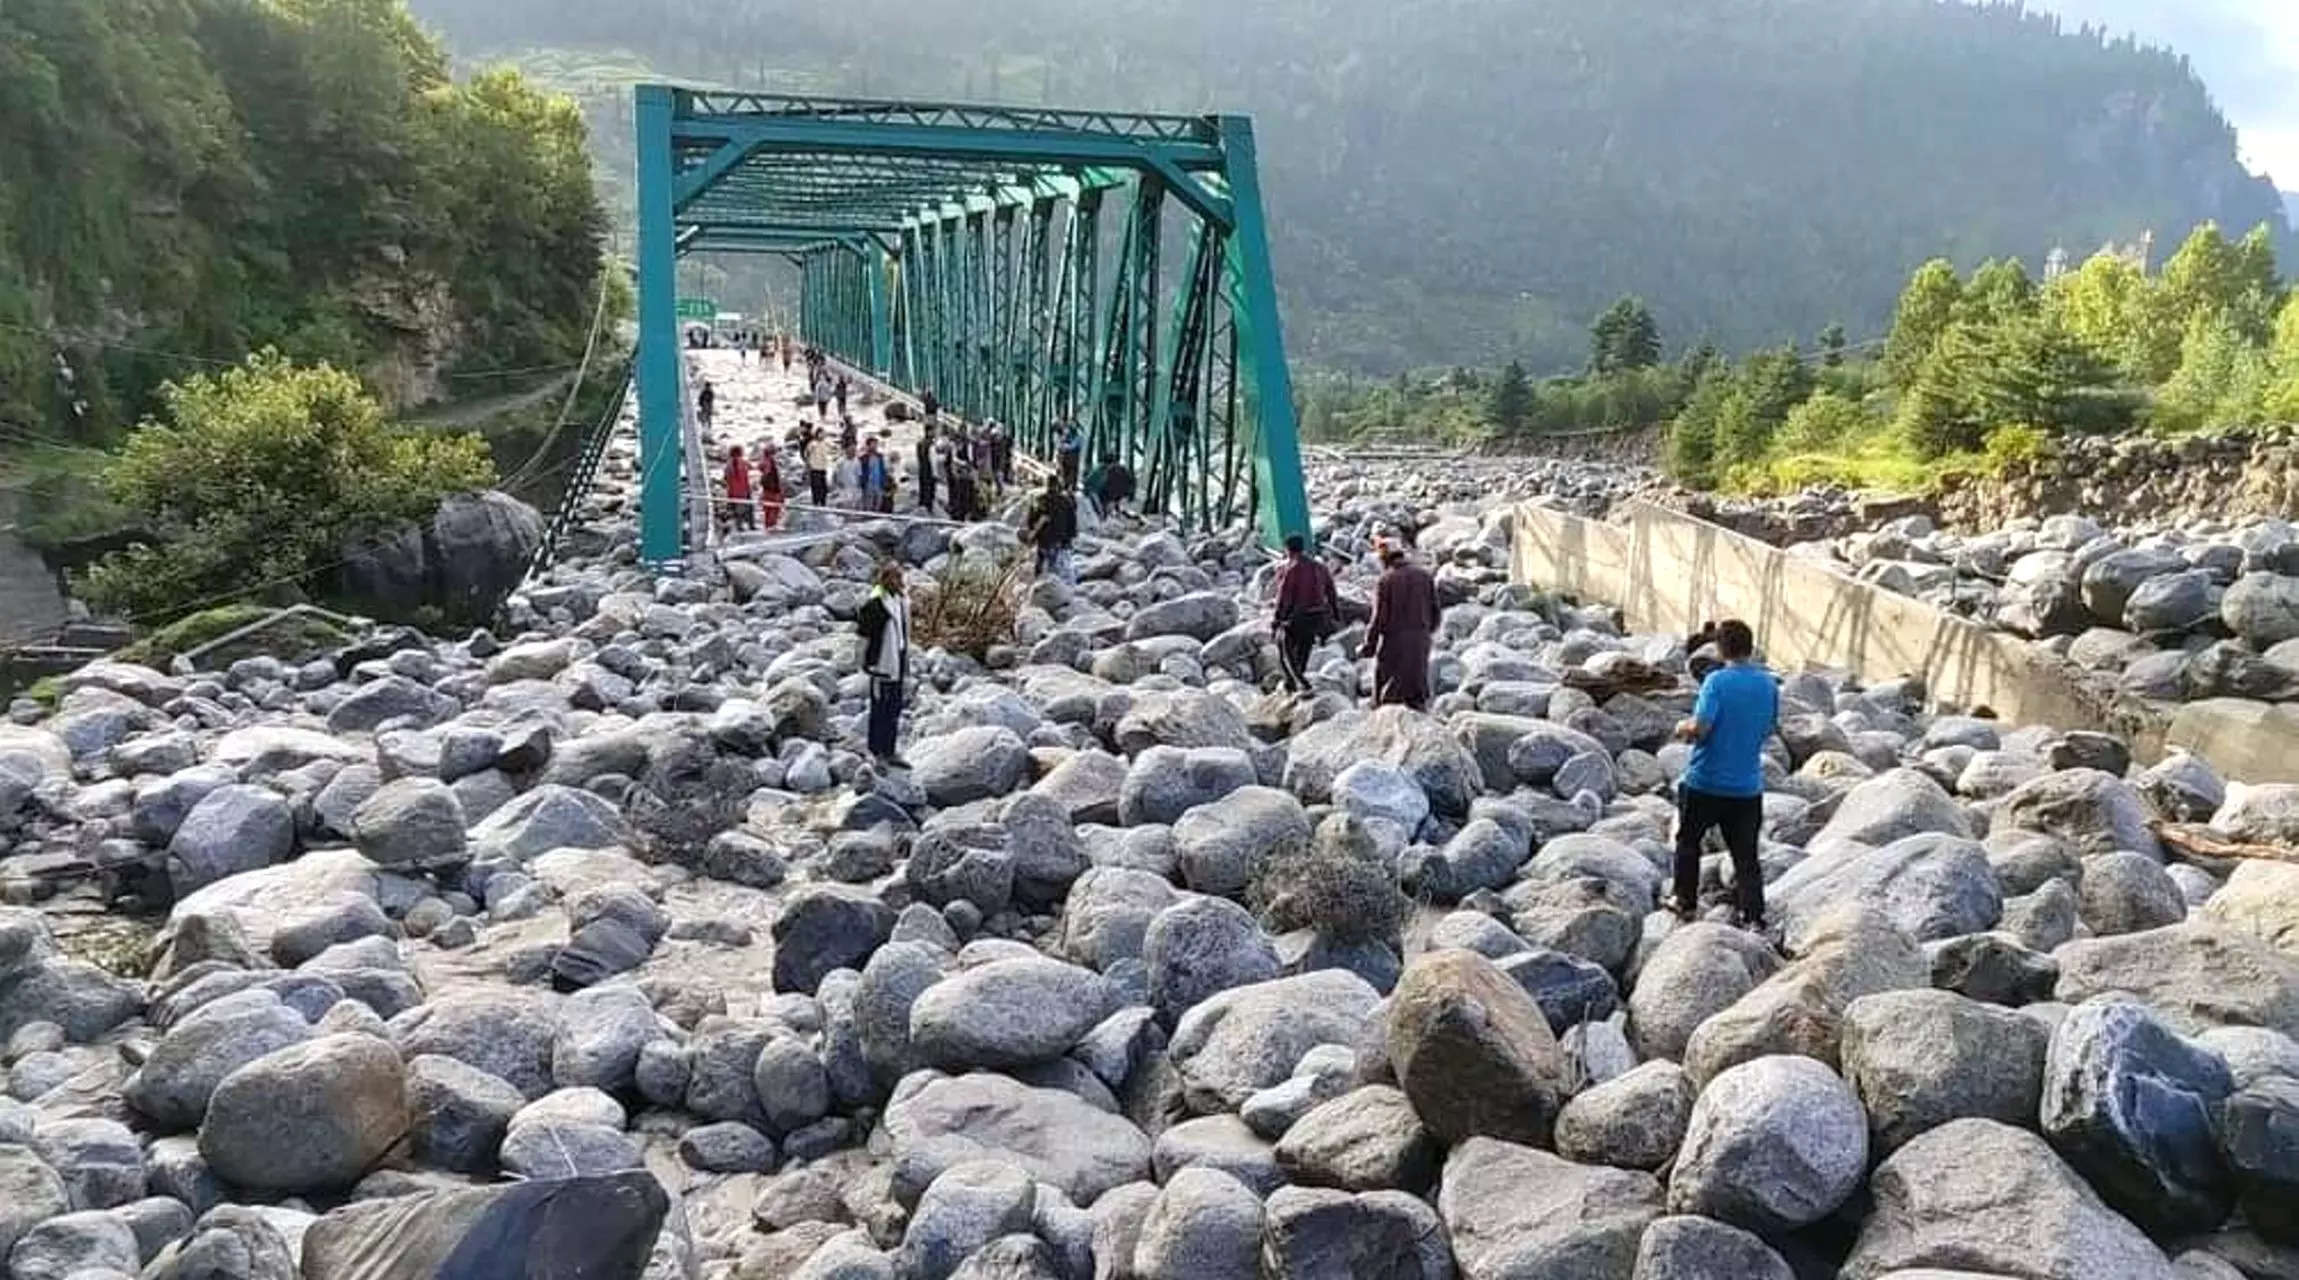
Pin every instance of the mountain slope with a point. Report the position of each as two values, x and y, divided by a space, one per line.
1467 180
186 180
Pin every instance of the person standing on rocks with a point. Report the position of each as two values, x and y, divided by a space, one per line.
769 480
838 393
819 459
963 507
931 404
1052 527
1405 617
877 485
738 505
1307 604
1002 452
926 468
884 622
706 403
1070 450
1723 786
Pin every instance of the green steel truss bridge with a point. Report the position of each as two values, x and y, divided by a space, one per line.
1014 260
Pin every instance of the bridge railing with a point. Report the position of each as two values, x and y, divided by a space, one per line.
581 477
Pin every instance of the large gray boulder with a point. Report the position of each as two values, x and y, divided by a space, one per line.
826 927
1929 885
1474 1052
1318 1234
1412 741
459 566
1200 615
1695 972
967 1206
1201 946
604 1225
1108 914
2262 608
1369 1139
1919 1059
410 822
2110 581
969 764
1008 1013
1891 806
1694 1248
1772 1145
2195 975
1979 1195
1205 1225
1633 1121
2133 1108
232 829
1222 846
30 1193
1166 782
2095 812
1185 718
935 1121
1851 951
552 816
1238 1042
173 1086
1516 1211
313 1116
457 1114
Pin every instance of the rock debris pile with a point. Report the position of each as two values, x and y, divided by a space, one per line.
2207 610
600 949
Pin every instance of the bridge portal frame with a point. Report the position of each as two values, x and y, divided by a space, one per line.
960 248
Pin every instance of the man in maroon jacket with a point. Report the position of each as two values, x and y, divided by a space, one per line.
1307 609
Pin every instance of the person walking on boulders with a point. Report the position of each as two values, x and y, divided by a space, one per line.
1723 786
926 468
884 621
1307 605
1405 617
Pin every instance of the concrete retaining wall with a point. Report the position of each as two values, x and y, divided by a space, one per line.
1669 572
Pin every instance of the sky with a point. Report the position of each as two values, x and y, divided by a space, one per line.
2247 52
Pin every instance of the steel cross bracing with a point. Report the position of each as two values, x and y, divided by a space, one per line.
961 249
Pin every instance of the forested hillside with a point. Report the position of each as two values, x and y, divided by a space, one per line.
183 181
1467 181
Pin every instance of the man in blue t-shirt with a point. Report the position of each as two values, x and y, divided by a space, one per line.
1724 786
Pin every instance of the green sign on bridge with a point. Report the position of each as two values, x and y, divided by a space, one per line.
697 308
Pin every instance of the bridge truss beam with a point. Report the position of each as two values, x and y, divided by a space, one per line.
962 249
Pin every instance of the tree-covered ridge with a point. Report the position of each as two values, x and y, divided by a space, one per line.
198 178
1466 181
1997 363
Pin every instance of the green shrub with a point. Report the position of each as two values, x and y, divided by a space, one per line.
257 476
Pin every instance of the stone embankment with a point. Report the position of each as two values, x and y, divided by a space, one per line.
592 941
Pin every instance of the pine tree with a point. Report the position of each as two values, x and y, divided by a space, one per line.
1927 307
1511 403
1625 337
1832 344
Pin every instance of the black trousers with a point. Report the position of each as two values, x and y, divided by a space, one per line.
885 715
925 491
818 484
1740 818
1293 645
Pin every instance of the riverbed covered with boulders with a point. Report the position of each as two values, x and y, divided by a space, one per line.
593 944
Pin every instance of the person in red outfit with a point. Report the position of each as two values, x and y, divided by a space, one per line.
739 512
